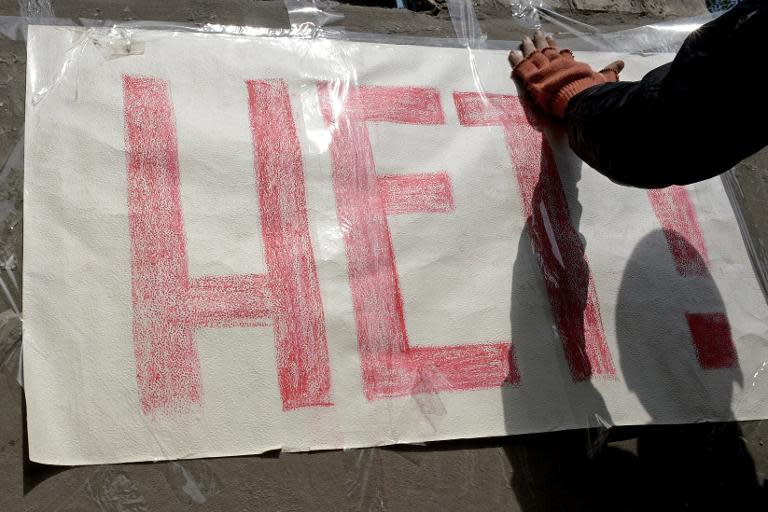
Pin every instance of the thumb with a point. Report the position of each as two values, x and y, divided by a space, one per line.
612 70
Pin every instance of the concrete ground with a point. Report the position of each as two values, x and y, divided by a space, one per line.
696 467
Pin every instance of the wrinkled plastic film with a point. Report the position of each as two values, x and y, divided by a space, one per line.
341 94
196 482
529 15
465 23
117 41
662 37
110 489
312 17
308 18
527 11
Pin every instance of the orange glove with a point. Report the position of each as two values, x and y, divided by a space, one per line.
553 77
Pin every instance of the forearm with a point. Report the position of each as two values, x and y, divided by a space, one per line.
684 122
612 128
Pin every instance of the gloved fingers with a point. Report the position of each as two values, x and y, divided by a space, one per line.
551 53
515 57
527 46
525 69
538 59
552 43
555 80
612 70
539 40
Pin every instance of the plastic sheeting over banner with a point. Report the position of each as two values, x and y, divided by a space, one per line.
235 244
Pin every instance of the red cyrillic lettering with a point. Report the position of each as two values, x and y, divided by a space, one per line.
390 366
168 305
557 244
711 332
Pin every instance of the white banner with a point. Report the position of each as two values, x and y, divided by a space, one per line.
239 244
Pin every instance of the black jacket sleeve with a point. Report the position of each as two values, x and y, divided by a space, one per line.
686 121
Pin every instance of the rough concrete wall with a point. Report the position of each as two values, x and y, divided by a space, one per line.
652 7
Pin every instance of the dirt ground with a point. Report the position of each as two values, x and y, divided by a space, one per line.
696 467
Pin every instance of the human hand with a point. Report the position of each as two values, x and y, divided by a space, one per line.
552 76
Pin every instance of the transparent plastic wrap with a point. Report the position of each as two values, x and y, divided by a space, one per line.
457 475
